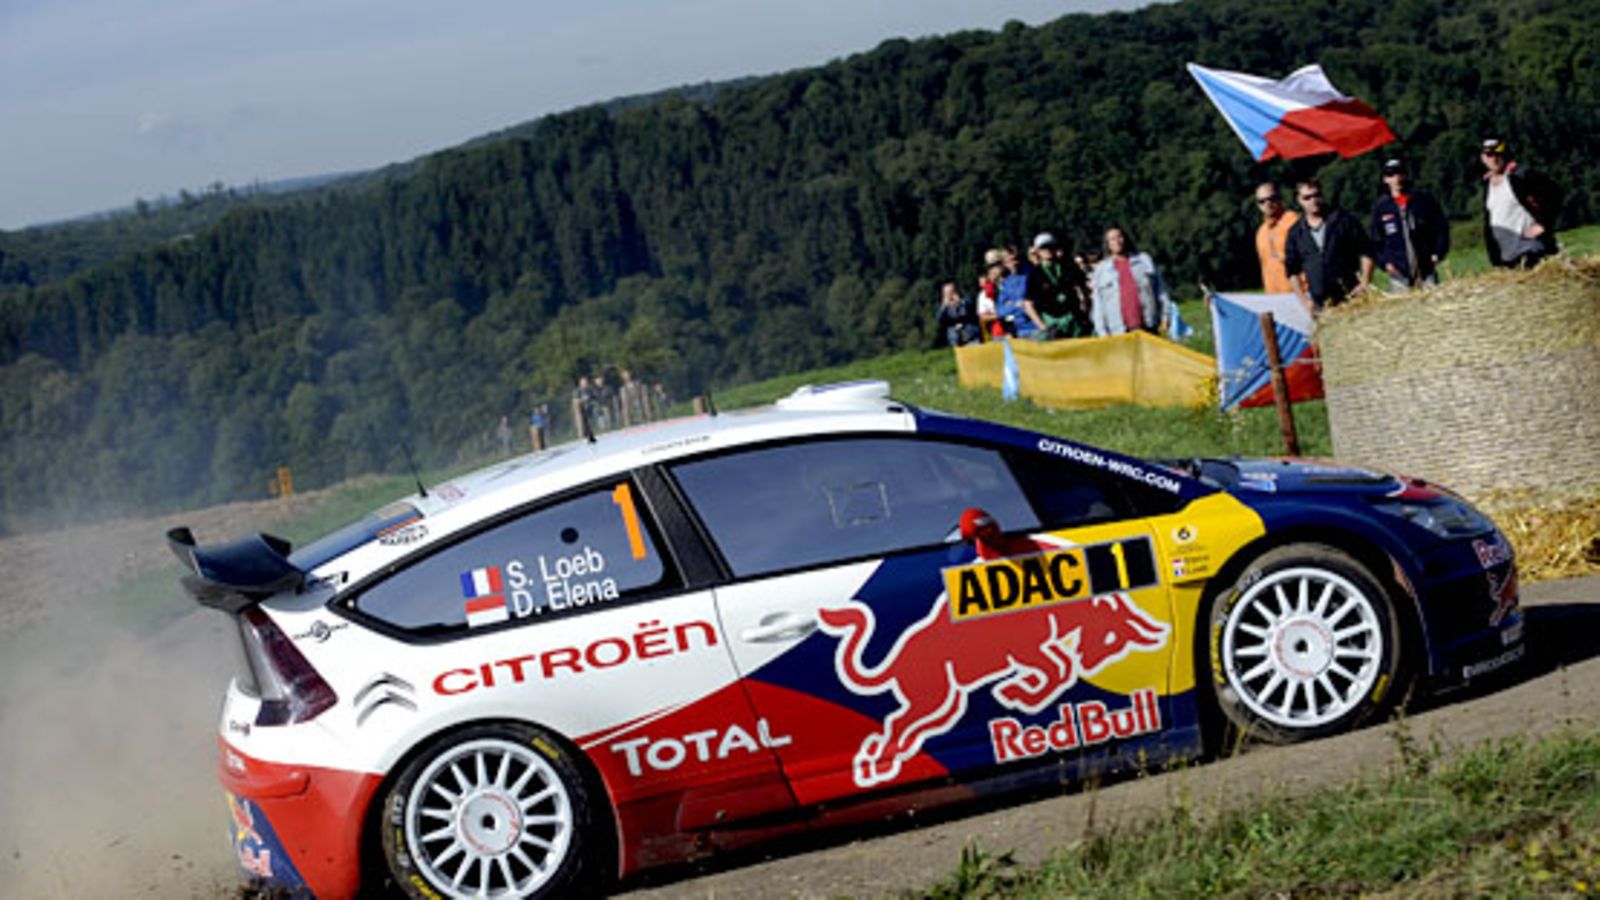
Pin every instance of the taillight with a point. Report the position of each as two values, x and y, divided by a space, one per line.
290 689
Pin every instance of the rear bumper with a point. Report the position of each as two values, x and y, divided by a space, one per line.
296 829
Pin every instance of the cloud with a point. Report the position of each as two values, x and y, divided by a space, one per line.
197 134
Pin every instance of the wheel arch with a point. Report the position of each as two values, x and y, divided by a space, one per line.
373 868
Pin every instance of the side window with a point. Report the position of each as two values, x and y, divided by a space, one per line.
783 507
577 554
1064 495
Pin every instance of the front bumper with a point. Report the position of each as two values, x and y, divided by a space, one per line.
1471 606
296 829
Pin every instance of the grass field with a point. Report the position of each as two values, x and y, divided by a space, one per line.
1511 819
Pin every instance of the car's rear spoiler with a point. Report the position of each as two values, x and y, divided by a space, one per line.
234 575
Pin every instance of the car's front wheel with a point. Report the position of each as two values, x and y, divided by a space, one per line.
489 811
1306 643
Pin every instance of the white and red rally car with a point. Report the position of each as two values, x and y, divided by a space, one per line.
690 636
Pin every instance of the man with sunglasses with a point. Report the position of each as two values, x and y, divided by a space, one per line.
1519 210
1272 236
1327 255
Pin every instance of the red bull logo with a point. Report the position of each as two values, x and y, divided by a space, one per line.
1029 656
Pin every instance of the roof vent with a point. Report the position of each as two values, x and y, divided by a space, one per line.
845 395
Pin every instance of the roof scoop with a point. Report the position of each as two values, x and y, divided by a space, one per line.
867 394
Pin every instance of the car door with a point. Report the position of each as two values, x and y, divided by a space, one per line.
883 648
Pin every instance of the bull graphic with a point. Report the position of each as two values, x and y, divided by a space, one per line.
1034 655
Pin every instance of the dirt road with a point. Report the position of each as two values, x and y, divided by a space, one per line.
107 744
107 724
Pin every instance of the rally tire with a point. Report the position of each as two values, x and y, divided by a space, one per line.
1307 643
496 810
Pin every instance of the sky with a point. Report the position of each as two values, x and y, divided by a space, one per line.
103 102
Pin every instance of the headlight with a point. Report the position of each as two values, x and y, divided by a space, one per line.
1447 518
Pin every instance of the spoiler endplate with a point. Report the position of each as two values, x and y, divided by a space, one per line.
232 576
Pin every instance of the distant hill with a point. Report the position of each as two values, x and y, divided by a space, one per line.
786 223
47 252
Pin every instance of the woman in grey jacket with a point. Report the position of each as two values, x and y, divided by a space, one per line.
1129 294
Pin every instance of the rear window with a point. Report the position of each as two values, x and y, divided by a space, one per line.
388 520
583 553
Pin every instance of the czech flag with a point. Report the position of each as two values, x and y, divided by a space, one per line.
1302 115
485 593
1245 375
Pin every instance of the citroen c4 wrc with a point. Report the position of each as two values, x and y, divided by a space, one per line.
677 640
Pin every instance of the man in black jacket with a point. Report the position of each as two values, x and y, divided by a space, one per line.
1409 232
1519 210
1326 255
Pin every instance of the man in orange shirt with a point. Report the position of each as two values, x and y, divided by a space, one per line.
1270 237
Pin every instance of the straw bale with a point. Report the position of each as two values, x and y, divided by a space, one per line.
1555 534
1485 384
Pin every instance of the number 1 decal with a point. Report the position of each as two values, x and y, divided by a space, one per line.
1121 556
623 498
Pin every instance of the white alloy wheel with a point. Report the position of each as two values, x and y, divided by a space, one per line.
489 818
1304 647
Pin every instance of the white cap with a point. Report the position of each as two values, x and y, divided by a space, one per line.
1044 239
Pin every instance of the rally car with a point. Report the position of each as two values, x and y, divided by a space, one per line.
681 639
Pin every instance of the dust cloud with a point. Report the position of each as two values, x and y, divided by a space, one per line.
108 716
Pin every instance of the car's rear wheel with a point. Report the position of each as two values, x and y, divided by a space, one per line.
1306 643
489 811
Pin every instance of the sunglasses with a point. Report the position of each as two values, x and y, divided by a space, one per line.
1304 197
1263 201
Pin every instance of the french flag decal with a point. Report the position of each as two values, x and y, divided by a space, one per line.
485 592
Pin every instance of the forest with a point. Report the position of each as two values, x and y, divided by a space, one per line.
177 355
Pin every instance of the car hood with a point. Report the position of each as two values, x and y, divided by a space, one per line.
1299 476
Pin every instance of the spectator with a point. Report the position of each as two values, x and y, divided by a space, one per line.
1056 294
1326 255
958 316
604 404
583 397
989 294
630 400
1272 236
504 432
1520 207
1013 292
1409 232
1129 294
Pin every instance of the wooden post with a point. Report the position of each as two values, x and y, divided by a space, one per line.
285 482
700 405
1280 386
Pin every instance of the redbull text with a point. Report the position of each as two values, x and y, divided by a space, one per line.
1080 725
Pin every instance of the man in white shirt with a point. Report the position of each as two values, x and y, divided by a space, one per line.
1519 210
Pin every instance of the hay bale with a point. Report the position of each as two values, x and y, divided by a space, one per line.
1556 534
1485 384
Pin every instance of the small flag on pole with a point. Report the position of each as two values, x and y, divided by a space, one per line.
1302 115
1010 378
1177 328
